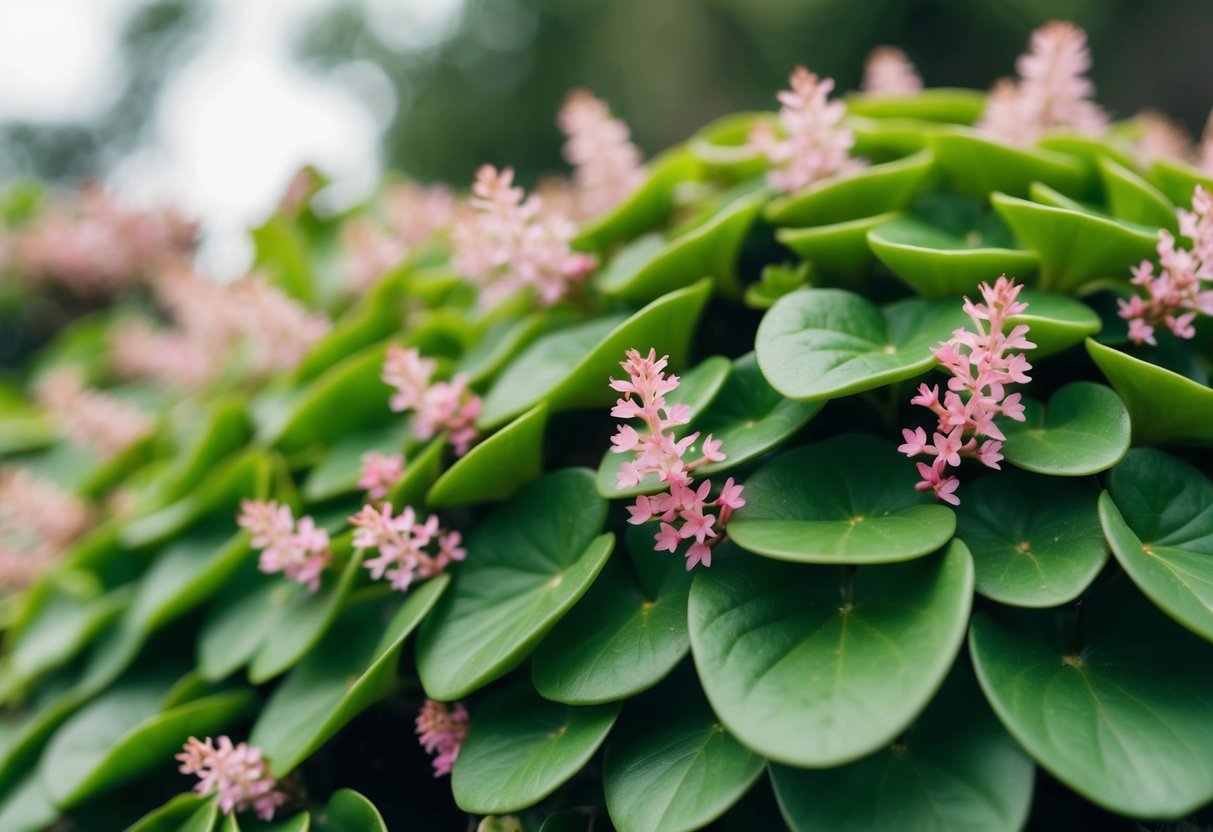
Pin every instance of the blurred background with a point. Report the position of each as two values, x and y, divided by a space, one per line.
211 105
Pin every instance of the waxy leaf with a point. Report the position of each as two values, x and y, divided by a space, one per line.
496 467
521 748
935 263
838 247
527 565
647 207
1035 540
954 770
1083 430
869 191
344 674
1158 516
942 104
568 368
1075 247
975 165
348 811
674 770
340 467
820 665
723 145
1133 199
240 619
849 499
204 819
1163 406
505 340
27 806
1117 704
172 815
68 615
1178 180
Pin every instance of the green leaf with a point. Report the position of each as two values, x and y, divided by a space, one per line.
622 638
240 619
859 505
1178 180
1035 540
570 368
1133 199
935 263
873 190
171 816
347 671
723 145
528 563
824 343
838 247
421 471
1075 247
782 649
68 616
943 104
647 207
184 575
954 770
27 807
1163 406
1083 430
348 811
501 343
1056 322
497 467
1158 517
521 748
204 818
977 166
675 770
340 468
1117 704
710 250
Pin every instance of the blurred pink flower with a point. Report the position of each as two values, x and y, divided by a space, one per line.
91 419
300 551
1160 137
380 473
441 731
888 71
404 544
438 406
38 521
607 166
1206 147
237 773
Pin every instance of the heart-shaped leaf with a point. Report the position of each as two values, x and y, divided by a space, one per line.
1036 541
497 467
521 748
527 565
954 770
1163 406
977 166
1133 199
340 467
348 811
782 648
567 368
936 264
344 674
840 247
872 190
1083 430
849 499
674 770
647 207
1158 516
943 104
1117 705
1075 247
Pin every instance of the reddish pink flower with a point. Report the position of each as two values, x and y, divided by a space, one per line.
982 363
441 732
300 551
607 166
438 406
888 71
404 545
237 773
380 473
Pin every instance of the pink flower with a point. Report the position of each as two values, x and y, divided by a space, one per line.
982 362
38 521
815 143
300 551
404 545
438 406
441 732
887 71
237 773
1160 137
380 473
1053 91
607 166
91 419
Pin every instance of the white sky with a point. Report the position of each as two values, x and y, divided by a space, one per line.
235 123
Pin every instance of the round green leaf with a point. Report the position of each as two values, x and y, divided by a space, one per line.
1075 247
1133 199
838 247
345 673
674 770
1035 540
1117 704
497 467
240 619
647 207
171 816
941 104
67 617
783 649
1083 430
1163 406
340 468
1158 516
892 138
348 811
872 190
568 368
1055 322
186 573
857 504
936 264
724 147
954 770
521 748
975 165
1178 179
527 565
501 343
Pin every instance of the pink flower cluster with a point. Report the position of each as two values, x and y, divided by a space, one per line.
299 550
1053 90
93 246
88 418
607 166
403 544
414 214
1206 147
380 473
441 731
237 773
888 71
506 242
38 521
816 143
982 364
1181 289
1160 137
684 511
437 405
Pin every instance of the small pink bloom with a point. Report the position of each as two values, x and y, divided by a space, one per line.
915 442
441 732
887 71
730 495
380 473
697 554
667 538
607 166
237 773
298 550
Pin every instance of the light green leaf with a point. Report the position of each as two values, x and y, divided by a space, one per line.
1083 430
877 189
496 467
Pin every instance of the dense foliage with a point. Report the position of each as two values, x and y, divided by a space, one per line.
368 517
